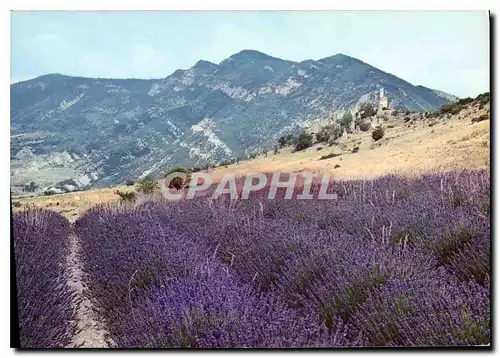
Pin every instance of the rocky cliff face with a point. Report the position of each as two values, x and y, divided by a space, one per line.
121 129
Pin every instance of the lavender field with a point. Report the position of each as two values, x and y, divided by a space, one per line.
392 262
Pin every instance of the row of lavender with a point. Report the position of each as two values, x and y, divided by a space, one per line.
392 262
41 245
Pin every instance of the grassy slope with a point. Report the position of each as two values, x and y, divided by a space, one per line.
450 144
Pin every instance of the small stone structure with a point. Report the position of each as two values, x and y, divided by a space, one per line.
383 100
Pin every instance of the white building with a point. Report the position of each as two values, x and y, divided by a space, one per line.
383 101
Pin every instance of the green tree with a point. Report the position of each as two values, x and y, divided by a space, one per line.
147 185
305 140
378 133
323 134
367 110
346 120
329 132
286 140
483 98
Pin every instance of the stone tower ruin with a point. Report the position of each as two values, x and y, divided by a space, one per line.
383 101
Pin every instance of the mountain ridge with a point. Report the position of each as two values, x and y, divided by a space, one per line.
201 61
204 114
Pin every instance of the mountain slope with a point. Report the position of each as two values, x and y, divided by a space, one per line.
452 143
110 130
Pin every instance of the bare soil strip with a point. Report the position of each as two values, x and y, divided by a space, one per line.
90 329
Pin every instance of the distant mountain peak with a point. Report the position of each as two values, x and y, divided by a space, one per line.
248 55
339 57
204 64
45 77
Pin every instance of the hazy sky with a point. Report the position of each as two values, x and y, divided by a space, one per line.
448 50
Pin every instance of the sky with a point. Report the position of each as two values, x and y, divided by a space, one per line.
444 50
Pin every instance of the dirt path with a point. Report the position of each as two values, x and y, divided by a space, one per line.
90 332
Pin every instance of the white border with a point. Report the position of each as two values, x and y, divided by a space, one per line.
255 5
186 5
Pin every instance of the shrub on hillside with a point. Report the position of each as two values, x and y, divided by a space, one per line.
147 185
345 120
367 110
323 135
365 126
126 196
305 140
329 132
455 107
483 98
464 101
378 133
482 117
287 140
225 163
328 156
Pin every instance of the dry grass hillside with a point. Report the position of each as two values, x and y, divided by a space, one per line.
421 145
416 146
72 204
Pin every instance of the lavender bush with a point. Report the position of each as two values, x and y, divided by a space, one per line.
44 299
219 312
